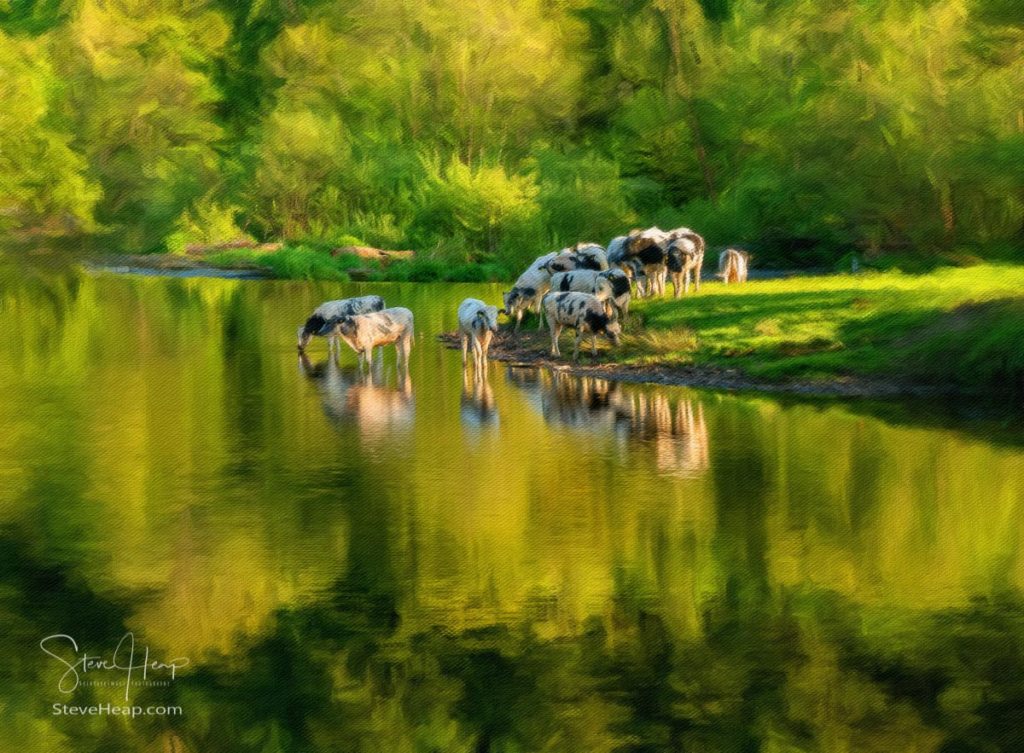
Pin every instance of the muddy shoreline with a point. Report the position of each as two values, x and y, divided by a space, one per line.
531 349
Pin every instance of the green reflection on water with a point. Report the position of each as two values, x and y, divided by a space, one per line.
529 563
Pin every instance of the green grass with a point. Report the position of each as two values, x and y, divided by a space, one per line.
958 327
307 262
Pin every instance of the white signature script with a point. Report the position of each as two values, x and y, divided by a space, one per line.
122 660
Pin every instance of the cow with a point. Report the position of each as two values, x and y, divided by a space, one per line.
617 250
478 323
364 332
526 295
685 259
579 256
541 262
590 256
583 281
325 316
650 248
733 265
621 291
584 314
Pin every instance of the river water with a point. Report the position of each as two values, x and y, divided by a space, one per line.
318 561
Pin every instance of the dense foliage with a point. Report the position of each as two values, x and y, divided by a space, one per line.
491 132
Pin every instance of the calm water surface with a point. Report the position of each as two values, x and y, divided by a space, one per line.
531 562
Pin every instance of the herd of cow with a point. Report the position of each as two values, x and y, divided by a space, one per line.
586 288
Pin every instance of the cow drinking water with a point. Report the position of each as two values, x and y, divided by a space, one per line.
583 313
325 316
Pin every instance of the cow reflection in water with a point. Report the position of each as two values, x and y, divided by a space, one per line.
476 407
672 425
364 398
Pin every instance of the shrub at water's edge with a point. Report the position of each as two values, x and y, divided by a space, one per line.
312 262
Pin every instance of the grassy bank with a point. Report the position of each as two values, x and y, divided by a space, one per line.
305 262
962 328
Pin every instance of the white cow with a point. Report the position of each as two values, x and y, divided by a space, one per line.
478 323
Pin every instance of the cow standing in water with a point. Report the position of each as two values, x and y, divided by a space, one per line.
583 313
478 323
733 265
325 317
364 332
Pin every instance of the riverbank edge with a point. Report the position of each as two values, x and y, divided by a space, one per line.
531 350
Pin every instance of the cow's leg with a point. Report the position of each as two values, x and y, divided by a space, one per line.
576 346
593 344
519 319
539 310
556 330
369 358
485 347
697 272
465 348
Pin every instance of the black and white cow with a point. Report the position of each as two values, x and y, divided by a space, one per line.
685 259
526 295
650 248
579 256
364 332
478 323
325 316
590 256
583 313
583 281
621 290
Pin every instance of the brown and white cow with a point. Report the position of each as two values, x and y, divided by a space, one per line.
325 316
364 332
733 265
478 323
583 313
